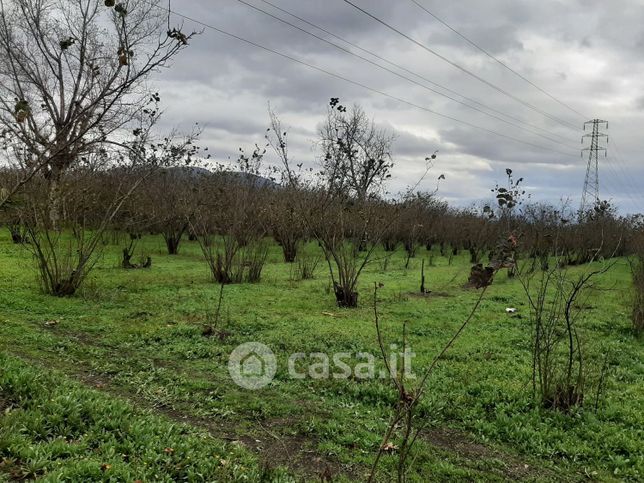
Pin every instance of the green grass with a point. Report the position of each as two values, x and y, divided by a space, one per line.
61 431
132 339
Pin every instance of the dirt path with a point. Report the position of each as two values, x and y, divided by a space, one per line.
273 443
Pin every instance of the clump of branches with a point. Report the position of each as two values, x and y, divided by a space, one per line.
128 253
230 260
221 260
284 218
559 364
228 221
305 266
63 262
349 226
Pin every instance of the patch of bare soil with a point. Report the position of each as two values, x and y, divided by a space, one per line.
296 452
271 440
273 443
10 468
464 447
429 295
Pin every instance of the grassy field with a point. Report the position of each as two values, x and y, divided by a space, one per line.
119 383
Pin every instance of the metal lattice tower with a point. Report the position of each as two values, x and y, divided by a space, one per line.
590 195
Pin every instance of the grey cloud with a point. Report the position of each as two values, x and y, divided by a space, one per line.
640 103
410 145
587 53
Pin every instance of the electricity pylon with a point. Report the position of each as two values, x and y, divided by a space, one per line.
590 195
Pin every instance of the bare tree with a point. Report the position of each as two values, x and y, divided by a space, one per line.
341 226
284 217
356 153
72 77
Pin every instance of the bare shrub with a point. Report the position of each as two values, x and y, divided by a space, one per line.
254 259
229 262
559 362
228 221
284 216
305 266
128 253
349 226
63 261
222 259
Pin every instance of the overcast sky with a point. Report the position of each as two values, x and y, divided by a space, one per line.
588 54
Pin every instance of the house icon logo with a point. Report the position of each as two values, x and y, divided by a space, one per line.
252 365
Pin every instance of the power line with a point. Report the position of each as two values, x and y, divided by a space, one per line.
398 66
619 161
347 51
363 86
496 59
621 177
461 68
622 190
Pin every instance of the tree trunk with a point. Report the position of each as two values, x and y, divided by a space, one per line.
289 249
389 245
345 298
173 239
55 198
17 234
172 243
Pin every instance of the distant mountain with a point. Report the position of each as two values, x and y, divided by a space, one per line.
255 180
187 171
234 176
